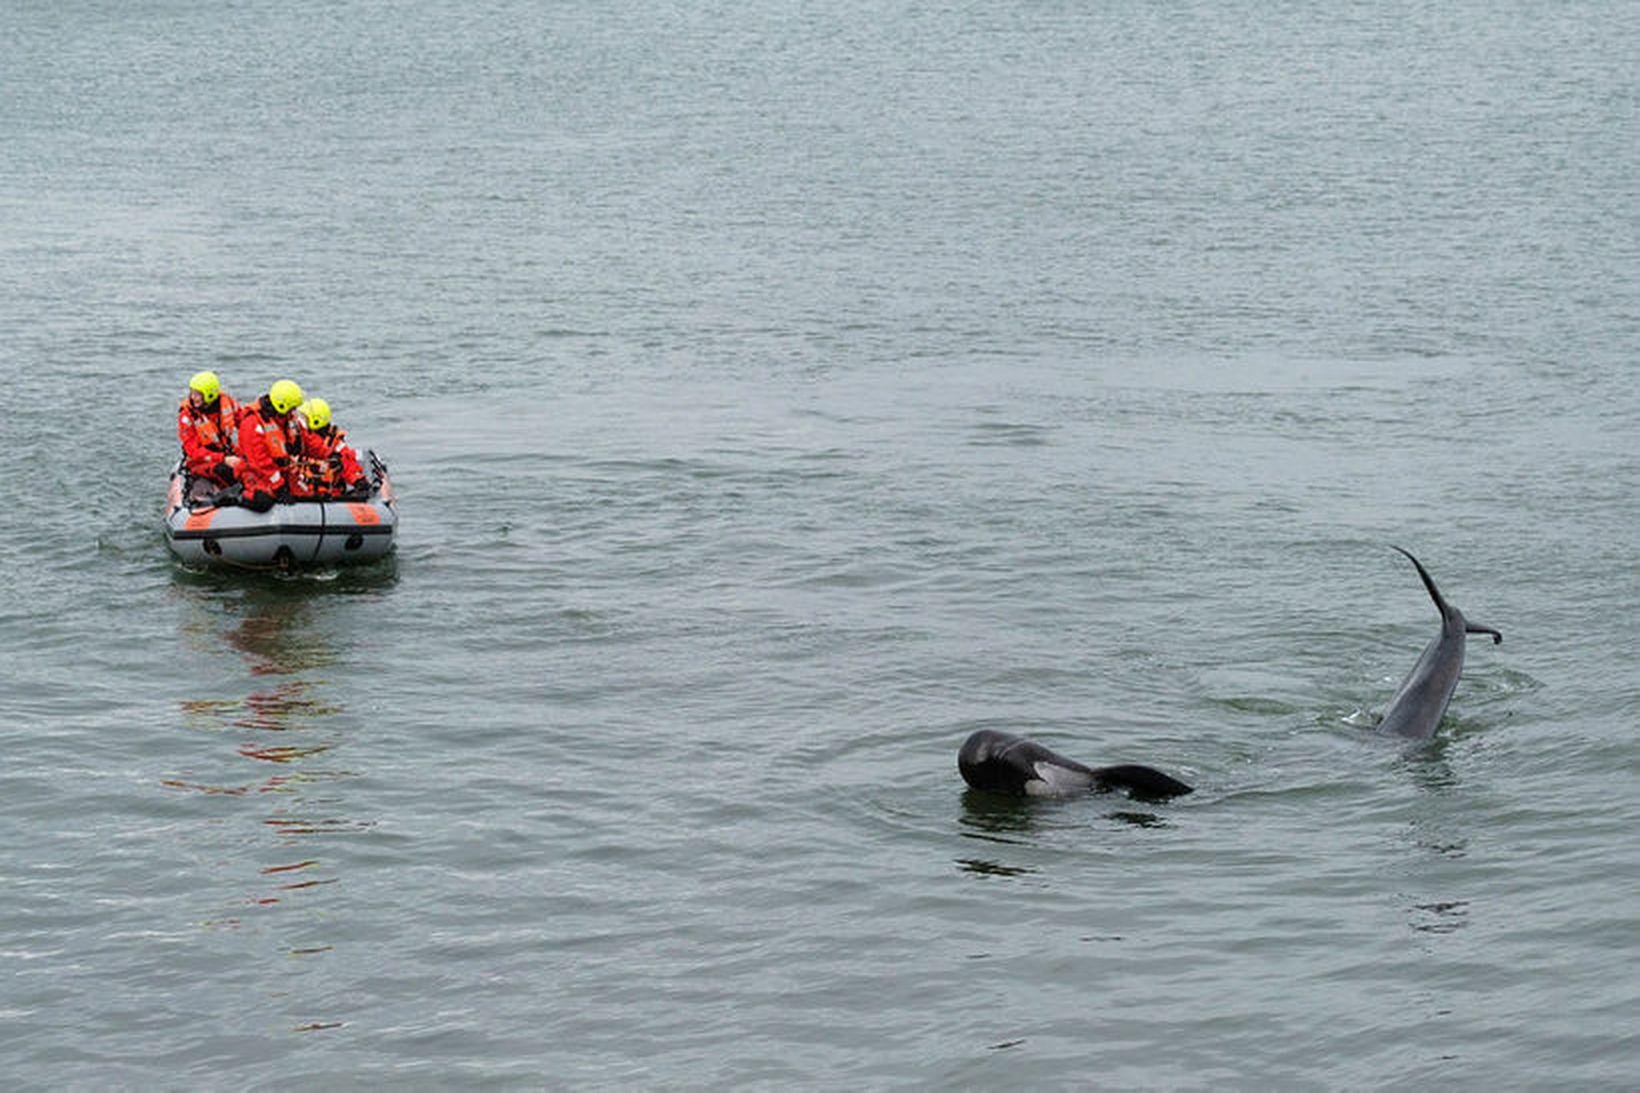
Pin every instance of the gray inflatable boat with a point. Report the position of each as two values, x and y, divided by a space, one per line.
204 527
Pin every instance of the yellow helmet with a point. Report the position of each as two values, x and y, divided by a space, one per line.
285 396
208 386
316 412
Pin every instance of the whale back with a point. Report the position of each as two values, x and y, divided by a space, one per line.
1005 763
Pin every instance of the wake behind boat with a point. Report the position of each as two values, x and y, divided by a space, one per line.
204 525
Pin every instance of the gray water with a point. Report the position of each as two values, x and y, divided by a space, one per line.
776 394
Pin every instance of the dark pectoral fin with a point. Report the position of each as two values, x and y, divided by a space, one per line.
1141 781
1477 628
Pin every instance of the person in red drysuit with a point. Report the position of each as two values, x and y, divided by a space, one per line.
208 427
268 443
327 465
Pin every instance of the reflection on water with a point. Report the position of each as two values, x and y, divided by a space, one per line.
1427 764
991 868
1007 820
1443 917
1137 819
995 814
1438 832
286 725
994 817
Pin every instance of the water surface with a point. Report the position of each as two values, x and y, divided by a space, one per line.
775 397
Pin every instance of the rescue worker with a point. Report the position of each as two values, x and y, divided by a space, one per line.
268 438
327 465
208 426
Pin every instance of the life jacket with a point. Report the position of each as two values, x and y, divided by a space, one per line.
318 469
315 478
277 436
218 431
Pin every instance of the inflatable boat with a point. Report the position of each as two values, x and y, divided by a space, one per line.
204 527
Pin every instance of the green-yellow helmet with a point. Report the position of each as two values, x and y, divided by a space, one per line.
285 396
208 386
316 412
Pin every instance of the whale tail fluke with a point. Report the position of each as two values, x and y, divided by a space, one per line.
1441 604
1141 781
1429 582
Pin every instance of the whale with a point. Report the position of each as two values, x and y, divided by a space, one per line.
1004 763
1420 703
